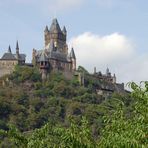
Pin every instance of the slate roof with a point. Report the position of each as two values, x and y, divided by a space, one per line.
46 29
43 57
8 56
72 54
55 26
22 57
64 29
58 56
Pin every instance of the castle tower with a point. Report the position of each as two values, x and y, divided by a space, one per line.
114 79
34 57
44 65
17 50
57 35
108 72
73 59
46 36
95 70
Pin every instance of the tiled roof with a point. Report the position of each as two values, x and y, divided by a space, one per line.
55 26
22 57
72 54
8 56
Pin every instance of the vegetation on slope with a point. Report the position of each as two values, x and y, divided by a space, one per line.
52 113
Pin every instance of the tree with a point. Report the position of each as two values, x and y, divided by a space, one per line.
122 131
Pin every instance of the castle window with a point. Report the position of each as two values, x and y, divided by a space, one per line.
41 63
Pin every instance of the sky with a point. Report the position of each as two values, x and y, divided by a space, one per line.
103 33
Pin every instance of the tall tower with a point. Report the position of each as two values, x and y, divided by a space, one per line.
57 35
17 50
44 65
73 59
46 36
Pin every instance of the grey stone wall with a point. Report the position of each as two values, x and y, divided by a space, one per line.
7 66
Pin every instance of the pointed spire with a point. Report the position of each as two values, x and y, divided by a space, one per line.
55 27
72 54
17 45
95 70
17 50
107 71
64 30
46 29
9 49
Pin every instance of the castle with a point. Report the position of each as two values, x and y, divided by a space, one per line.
9 60
55 57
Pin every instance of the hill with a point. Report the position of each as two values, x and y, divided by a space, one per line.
29 104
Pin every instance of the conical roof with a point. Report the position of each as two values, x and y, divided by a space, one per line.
64 30
8 55
9 49
55 26
107 70
72 54
46 29
17 45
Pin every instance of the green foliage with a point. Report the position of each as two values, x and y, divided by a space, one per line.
121 131
49 136
23 73
40 113
82 70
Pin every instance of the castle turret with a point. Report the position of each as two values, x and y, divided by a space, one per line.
64 30
44 65
17 50
95 70
57 35
46 29
9 49
73 59
55 27
108 72
46 35
34 62
114 78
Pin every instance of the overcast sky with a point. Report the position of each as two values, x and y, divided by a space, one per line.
111 33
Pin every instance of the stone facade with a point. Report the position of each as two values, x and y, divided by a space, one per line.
10 60
105 77
54 56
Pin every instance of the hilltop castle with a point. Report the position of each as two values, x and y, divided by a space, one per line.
9 60
55 56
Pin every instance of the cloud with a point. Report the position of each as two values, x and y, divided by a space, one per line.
94 50
115 50
135 70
